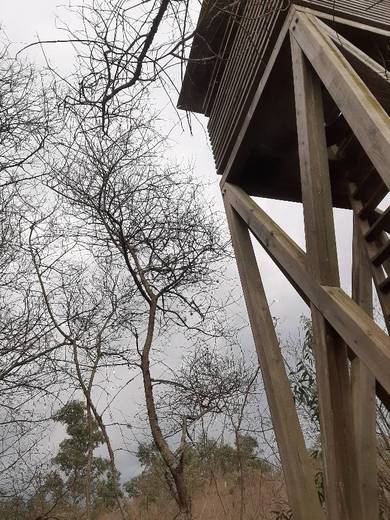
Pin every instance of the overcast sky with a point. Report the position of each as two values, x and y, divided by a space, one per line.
23 20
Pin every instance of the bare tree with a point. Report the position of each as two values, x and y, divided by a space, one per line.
223 385
88 306
27 343
125 209
123 48
26 117
147 219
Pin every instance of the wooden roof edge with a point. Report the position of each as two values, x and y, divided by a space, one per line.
209 37
207 41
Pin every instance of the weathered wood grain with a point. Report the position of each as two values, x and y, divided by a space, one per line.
331 355
297 466
363 384
364 337
364 114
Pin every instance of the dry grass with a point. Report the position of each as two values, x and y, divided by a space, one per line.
220 500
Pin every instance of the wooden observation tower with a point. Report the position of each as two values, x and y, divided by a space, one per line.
298 101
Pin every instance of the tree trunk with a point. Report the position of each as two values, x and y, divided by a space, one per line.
87 391
182 496
89 465
241 470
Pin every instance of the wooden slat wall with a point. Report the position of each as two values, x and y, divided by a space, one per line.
232 89
224 51
244 65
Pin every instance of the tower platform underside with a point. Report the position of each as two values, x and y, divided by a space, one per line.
247 93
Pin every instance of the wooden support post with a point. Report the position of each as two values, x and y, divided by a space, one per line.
337 429
297 465
363 384
364 114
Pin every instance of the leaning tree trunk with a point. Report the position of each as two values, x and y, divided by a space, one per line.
87 391
182 497
89 465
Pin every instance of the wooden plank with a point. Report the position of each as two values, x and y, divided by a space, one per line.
338 18
362 111
225 48
241 85
231 59
381 223
314 171
235 61
373 200
382 254
270 16
351 49
363 384
356 328
231 90
234 155
369 186
233 114
383 396
297 466
378 273
337 429
353 12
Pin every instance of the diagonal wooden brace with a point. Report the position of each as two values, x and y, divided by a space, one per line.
297 465
356 328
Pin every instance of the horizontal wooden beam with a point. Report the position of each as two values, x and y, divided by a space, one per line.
355 327
364 114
